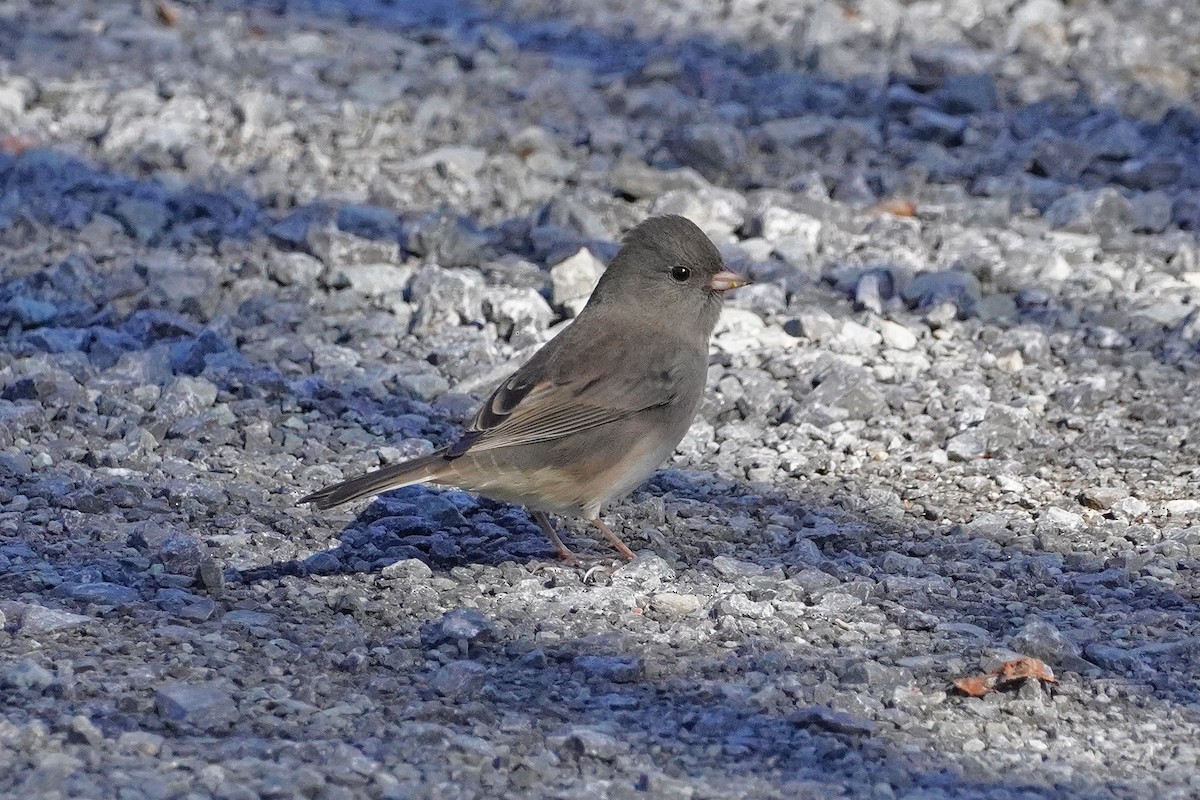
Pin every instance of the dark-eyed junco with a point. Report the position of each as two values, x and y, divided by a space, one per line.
597 409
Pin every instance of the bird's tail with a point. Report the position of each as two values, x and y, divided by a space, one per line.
418 470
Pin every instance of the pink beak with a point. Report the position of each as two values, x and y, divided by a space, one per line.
725 280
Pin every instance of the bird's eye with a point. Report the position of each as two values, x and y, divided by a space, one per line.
681 274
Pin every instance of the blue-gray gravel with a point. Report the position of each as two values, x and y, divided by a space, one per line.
267 245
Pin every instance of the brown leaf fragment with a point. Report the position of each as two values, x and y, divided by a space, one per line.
976 685
1025 668
166 13
897 207
1005 676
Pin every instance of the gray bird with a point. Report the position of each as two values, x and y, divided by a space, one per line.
595 411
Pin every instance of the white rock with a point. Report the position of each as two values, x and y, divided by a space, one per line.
519 314
717 212
1062 518
777 223
12 101
374 279
816 325
674 603
573 279
738 320
739 330
1130 507
1011 362
460 162
856 338
896 335
1182 508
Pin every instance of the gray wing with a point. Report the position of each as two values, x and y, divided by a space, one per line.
581 384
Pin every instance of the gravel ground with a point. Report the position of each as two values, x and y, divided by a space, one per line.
249 248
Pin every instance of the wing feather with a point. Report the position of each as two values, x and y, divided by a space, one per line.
550 398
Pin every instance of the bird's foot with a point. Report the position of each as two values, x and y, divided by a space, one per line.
594 568
614 540
567 556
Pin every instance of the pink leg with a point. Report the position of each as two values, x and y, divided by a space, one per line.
547 527
614 540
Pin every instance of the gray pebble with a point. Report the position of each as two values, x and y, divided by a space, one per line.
588 742
618 669
843 391
1040 639
185 605
675 604
409 570
460 680
83 729
249 619
929 289
717 212
37 620
967 93
205 707
446 297
323 564
930 125
143 218
100 593
733 568
830 720
520 314
294 268
142 743
461 627
714 149
26 675
1102 211
815 325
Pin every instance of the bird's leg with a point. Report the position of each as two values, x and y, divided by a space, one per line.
547 527
613 539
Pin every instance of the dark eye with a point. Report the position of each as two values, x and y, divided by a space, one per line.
681 274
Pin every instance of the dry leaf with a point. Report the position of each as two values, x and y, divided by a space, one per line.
1020 669
166 13
896 207
1010 672
976 685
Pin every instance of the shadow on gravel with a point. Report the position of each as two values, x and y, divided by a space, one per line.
963 584
788 704
443 528
768 712
707 718
446 528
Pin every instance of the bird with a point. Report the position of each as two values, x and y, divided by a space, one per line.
600 406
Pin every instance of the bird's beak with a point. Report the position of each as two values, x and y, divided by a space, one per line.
725 280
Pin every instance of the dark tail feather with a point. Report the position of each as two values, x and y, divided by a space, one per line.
417 470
